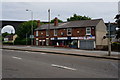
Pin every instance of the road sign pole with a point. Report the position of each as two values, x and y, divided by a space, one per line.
109 40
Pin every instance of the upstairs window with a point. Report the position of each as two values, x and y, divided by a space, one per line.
36 33
55 32
69 31
88 31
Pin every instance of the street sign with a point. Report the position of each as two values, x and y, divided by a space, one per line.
111 36
31 36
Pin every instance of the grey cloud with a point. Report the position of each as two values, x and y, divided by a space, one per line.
16 10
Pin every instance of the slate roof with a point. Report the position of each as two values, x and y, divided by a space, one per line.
9 36
71 24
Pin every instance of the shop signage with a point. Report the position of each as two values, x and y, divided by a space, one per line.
74 37
62 38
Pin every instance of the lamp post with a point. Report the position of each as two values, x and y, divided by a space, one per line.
31 25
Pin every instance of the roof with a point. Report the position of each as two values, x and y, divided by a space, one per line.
71 24
9 36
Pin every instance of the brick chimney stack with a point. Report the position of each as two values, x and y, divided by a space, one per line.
56 21
38 23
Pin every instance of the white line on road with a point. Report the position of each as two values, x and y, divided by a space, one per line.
12 50
64 67
43 53
16 57
26 51
116 66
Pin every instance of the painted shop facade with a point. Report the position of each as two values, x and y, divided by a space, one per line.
83 34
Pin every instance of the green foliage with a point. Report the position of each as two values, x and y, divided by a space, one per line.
78 17
26 28
118 24
20 41
8 43
5 34
116 46
52 21
118 34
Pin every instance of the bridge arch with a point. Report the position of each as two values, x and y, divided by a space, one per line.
8 29
15 24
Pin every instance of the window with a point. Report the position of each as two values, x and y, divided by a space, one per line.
36 33
69 31
47 34
37 42
55 32
88 31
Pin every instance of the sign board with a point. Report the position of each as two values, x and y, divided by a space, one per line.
111 36
62 38
31 36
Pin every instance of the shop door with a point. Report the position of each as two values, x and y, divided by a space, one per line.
86 44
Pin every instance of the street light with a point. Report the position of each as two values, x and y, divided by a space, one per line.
31 25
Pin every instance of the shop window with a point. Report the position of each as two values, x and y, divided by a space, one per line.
37 42
88 31
55 32
69 31
36 33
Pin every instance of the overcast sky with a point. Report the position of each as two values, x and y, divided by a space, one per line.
95 10
16 10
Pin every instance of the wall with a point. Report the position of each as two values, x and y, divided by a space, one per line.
100 32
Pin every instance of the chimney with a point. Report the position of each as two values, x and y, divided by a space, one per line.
38 23
56 21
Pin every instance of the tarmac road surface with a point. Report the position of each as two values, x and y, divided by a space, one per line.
24 64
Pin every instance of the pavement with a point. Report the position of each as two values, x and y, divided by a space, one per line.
66 51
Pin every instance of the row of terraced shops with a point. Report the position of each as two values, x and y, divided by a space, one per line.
84 34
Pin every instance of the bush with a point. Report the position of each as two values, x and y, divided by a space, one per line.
9 43
20 41
116 46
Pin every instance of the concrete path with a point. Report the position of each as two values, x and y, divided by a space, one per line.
67 51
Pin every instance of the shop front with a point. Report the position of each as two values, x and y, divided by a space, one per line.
64 42
74 42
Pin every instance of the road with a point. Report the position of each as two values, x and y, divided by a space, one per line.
24 64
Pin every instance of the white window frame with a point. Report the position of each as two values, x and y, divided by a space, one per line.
88 30
69 29
36 33
55 32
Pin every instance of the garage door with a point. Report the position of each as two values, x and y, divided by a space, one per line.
86 44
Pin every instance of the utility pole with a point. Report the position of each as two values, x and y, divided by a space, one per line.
48 27
109 40
31 25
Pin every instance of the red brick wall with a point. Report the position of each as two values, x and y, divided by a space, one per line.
76 32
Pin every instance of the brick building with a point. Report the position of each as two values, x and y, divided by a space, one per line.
83 34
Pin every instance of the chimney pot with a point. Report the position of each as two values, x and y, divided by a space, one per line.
56 21
38 23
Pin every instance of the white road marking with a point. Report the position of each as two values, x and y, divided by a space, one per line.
28 46
116 66
26 51
16 57
43 53
64 67
12 50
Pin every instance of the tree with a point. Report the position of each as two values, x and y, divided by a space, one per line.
78 17
5 34
52 21
25 28
118 24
